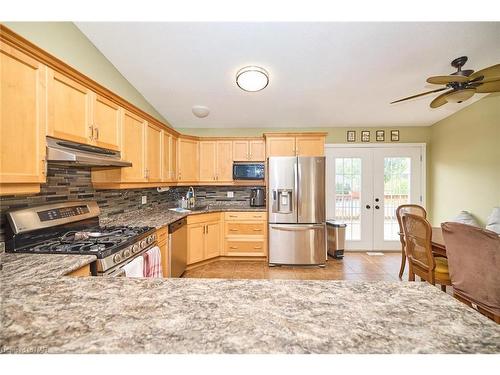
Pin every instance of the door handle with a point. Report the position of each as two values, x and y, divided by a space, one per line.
301 229
368 206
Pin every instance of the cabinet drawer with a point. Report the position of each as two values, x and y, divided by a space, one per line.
245 229
240 216
203 218
81 272
245 248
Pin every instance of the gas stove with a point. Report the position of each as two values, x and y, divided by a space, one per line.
73 228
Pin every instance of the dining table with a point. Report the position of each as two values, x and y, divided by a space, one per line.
438 245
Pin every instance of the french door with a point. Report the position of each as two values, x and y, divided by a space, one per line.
365 185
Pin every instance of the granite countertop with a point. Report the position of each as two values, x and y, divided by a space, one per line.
18 267
160 216
125 315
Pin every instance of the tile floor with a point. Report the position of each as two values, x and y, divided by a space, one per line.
354 266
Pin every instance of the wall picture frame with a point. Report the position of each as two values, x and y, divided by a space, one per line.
351 136
365 136
380 135
394 135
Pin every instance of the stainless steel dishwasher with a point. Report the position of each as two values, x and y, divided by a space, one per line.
177 246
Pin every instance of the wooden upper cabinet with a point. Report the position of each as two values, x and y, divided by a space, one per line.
257 150
310 146
224 161
169 157
68 109
133 148
187 160
153 153
295 144
240 150
208 161
280 146
22 120
106 122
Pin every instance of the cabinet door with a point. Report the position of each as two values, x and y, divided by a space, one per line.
187 160
240 150
196 243
168 157
68 109
208 161
280 146
133 148
310 146
224 161
257 150
22 118
213 239
106 123
153 153
173 163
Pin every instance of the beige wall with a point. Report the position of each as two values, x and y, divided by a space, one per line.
66 42
465 162
335 135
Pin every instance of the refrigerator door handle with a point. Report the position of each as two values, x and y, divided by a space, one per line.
297 197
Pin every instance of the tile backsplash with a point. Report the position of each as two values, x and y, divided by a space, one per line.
72 183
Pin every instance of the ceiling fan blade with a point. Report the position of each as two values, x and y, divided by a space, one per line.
443 80
416 96
486 86
487 73
440 100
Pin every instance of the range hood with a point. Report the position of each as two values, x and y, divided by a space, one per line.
70 153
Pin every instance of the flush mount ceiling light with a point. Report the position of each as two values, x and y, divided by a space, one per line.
252 78
200 111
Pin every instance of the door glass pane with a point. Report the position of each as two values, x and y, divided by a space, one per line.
396 192
348 195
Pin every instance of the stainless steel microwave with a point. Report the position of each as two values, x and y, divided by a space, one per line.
248 171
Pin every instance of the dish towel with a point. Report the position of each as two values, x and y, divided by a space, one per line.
152 263
135 268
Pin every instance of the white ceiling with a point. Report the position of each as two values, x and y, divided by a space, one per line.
321 74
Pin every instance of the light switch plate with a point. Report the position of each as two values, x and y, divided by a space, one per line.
144 199
230 194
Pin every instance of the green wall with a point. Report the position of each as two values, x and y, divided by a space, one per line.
66 42
465 162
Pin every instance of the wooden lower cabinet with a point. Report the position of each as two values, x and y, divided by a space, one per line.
162 240
81 272
245 234
204 237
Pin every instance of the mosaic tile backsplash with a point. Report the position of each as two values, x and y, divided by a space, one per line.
72 183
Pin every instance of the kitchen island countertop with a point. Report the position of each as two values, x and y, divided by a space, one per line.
125 315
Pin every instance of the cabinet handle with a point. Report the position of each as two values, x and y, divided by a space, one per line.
91 129
257 247
257 230
96 132
250 156
233 230
233 247
206 226
44 167
233 216
257 216
146 173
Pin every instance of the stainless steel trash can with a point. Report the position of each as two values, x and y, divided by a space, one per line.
335 233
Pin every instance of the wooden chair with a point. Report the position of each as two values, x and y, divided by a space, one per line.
474 262
418 246
414 209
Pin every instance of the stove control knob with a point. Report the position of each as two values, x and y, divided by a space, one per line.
117 258
143 244
135 248
149 239
126 253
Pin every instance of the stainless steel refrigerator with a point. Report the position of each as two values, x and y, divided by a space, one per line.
296 210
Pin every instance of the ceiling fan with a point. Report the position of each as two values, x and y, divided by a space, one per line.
462 84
